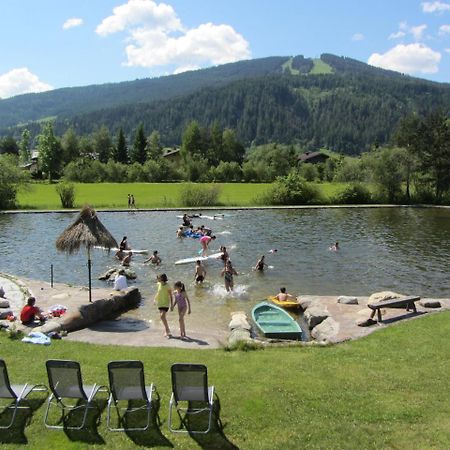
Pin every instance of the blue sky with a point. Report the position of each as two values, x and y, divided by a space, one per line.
47 44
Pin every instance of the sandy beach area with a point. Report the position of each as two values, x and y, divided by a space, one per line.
146 329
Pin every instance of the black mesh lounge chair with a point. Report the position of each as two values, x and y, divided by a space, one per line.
190 388
127 384
66 385
14 394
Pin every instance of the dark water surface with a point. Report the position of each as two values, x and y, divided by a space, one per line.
401 249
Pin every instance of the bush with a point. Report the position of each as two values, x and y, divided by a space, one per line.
291 190
199 195
11 178
354 194
66 192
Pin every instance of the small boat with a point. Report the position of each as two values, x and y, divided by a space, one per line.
274 322
288 304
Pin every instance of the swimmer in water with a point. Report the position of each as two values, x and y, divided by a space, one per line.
200 272
260 264
335 247
283 296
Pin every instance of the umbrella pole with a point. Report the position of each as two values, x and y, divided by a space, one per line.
89 272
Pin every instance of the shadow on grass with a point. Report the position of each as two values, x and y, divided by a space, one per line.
152 437
215 438
89 433
16 434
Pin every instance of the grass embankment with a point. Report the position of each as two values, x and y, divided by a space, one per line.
388 390
147 195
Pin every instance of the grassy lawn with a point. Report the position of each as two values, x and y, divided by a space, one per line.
389 390
148 195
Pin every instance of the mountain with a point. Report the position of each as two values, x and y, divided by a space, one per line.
333 102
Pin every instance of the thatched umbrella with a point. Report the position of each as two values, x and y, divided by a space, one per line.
87 231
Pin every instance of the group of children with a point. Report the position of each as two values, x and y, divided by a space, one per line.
166 299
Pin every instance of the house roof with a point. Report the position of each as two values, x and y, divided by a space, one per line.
171 152
307 156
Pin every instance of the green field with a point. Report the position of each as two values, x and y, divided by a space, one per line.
388 390
147 195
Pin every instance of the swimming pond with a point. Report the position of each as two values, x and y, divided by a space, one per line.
401 249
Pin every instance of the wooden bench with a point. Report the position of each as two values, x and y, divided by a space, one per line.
407 302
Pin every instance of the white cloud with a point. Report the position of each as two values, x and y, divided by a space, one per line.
188 68
397 35
216 44
431 7
72 22
418 31
358 37
140 12
410 59
21 81
447 50
156 37
444 30
404 29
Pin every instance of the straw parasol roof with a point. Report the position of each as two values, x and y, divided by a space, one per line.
86 231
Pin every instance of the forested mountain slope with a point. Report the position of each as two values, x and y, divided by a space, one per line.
70 101
347 108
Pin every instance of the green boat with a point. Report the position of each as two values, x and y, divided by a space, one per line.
274 322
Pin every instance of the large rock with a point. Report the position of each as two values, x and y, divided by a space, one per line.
305 302
344 299
315 314
239 321
4 304
326 331
104 309
110 274
430 303
237 335
383 295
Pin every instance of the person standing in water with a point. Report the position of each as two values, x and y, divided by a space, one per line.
260 264
164 301
154 259
205 241
228 272
182 300
200 272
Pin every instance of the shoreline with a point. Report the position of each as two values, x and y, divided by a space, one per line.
129 330
223 208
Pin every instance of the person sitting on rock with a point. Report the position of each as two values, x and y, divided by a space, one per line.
120 282
30 312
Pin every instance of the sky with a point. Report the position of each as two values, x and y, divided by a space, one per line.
50 44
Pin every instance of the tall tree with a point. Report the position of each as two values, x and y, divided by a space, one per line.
24 147
138 152
191 141
9 145
429 139
70 146
154 147
49 151
102 144
121 151
232 150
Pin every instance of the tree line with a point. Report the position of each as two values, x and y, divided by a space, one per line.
414 167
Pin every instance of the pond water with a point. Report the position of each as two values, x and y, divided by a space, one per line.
401 249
